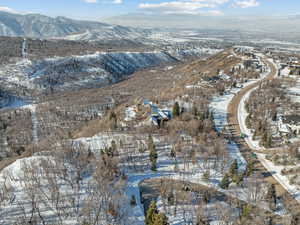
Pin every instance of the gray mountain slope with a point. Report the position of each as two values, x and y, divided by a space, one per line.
40 26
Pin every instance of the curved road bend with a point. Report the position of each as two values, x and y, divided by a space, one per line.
246 150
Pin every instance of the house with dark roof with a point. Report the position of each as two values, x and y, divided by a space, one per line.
158 115
289 124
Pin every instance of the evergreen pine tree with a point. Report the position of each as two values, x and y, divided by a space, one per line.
160 219
153 153
274 116
176 110
225 182
264 140
206 196
272 197
151 213
173 152
239 178
269 141
211 116
207 114
234 168
202 116
246 210
112 150
206 175
114 120
195 111
250 168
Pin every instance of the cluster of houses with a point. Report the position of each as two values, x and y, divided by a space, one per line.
252 61
289 66
153 112
288 125
293 61
289 69
243 49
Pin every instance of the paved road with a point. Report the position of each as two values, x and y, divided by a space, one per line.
234 104
236 130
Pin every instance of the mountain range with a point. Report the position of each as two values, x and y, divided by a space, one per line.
40 26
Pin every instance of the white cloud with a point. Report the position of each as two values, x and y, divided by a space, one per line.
107 1
246 3
91 1
214 13
184 7
118 1
219 2
176 5
7 9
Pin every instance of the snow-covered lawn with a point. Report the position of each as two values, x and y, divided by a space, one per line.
187 213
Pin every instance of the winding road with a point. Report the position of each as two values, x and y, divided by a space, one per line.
233 117
246 148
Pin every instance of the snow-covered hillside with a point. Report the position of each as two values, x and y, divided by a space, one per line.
110 33
94 70
40 26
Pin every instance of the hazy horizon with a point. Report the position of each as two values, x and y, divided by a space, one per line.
98 10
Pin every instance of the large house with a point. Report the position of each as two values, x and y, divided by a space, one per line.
289 125
158 115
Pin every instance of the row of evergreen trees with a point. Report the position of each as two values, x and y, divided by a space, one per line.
234 176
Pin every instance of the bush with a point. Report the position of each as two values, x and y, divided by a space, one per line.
206 176
246 211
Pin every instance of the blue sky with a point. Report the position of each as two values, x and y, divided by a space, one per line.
97 9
